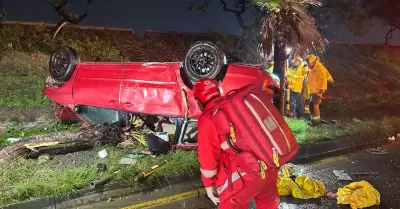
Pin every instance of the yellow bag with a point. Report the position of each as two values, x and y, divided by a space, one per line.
358 195
303 187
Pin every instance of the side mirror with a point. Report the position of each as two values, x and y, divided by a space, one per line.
77 109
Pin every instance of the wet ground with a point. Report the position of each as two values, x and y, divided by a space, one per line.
26 114
387 182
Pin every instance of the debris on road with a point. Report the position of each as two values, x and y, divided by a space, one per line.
103 153
356 120
377 151
103 180
358 195
341 175
335 121
83 138
365 174
101 167
303 187
13 140
128 161
43 158
146 173
126 144
157 145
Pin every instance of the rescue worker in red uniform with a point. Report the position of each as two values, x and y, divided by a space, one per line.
216 157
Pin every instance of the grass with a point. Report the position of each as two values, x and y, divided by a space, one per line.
23 79
24 57
17 130
305 134
25 179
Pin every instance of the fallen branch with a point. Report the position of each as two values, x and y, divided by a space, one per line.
59 143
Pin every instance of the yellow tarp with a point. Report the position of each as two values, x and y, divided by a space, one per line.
303 187
358 195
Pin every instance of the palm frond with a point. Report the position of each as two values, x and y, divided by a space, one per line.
290 20
269 4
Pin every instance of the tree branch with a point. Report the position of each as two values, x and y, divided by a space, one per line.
238 13
389 34
67 16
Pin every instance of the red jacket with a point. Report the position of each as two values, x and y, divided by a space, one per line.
213 161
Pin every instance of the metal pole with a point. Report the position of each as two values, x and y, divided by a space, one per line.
287 90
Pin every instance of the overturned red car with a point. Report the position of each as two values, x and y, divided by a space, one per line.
98 92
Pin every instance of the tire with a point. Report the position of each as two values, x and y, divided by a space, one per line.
203 60
62 63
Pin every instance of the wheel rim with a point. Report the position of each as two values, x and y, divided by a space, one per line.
202 62
60 62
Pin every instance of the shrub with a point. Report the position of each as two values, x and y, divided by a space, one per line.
90 44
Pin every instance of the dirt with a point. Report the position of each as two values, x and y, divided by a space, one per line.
73 160
26 114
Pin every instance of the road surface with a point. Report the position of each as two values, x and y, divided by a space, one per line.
187 195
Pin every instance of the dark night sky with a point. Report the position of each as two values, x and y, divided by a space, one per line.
160 15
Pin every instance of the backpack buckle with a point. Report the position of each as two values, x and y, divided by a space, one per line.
232 133
275 156
263 168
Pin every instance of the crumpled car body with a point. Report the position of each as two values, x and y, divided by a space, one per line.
98 92
147 88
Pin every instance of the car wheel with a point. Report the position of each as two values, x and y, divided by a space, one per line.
203 60
62 63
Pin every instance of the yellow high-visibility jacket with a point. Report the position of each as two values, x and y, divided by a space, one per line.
295 78
271 69
318 78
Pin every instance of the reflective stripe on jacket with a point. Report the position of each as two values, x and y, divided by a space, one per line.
214 153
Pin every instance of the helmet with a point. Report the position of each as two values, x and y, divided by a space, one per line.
206 89
312 58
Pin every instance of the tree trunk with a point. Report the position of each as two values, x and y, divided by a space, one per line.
57 143
280 71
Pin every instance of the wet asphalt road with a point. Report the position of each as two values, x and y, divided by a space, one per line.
387 183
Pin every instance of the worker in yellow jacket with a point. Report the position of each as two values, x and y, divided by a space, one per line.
271 66
295 78
318 79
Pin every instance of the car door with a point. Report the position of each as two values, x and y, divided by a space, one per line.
98 84
151 88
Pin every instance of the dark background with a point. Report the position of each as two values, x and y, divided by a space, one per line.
166 15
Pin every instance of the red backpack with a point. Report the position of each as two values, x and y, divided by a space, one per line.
255 130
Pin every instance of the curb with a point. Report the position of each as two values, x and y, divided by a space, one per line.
79 197
89 196
114 190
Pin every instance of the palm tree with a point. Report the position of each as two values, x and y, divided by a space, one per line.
287 23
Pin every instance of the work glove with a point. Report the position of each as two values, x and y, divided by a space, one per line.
211 195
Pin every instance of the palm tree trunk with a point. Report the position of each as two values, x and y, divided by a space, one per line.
280 71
